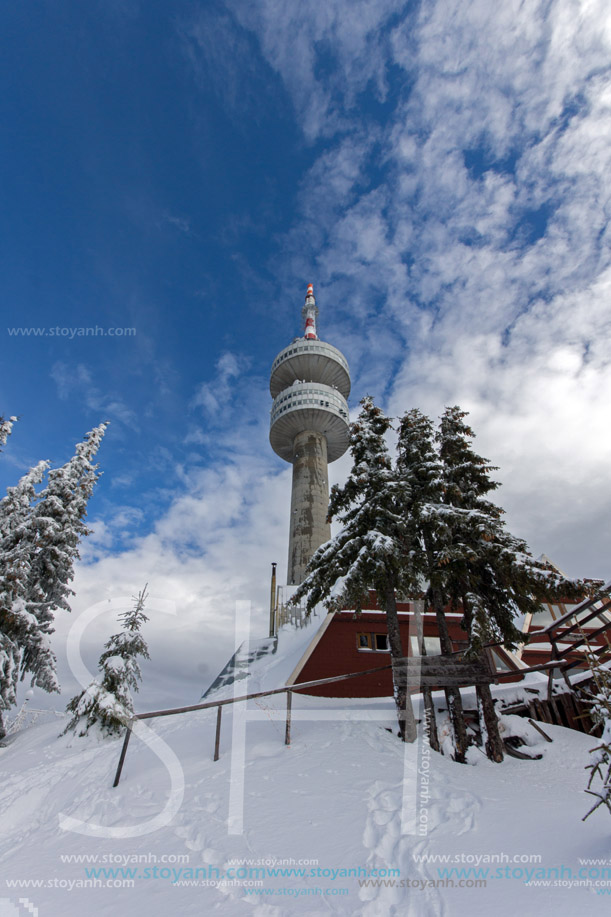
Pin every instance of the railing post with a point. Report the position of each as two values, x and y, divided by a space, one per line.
289 700
123 753
217 741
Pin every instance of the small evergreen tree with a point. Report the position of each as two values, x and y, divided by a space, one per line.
367 553
107 702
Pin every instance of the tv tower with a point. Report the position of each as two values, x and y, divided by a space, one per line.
310 382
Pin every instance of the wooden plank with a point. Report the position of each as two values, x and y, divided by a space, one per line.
556 715
571 710
582 716
594 613
542 718
601 596
446 662
488 663
539 713
577 711
545 712
583 659
445 677
565 711
538 728
531 710
588 638
455 674
217 740
400 676
542 667
456 670
440 671
444 681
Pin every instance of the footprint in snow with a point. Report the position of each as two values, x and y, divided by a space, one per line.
391 837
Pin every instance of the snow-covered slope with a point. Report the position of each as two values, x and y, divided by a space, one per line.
345 796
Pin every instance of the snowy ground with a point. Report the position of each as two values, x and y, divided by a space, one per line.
345 796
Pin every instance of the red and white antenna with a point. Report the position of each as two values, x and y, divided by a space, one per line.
310 314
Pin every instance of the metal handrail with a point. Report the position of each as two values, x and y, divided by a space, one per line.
289 690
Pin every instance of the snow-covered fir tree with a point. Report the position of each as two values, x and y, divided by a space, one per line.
367 553
107 702
430 524
18 626
57 526
39 536
490 573
486 572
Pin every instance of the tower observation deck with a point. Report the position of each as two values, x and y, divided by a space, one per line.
310 382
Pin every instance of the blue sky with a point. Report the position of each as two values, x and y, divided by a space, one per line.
439 171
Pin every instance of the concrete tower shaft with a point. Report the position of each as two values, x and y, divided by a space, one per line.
310 382
309 502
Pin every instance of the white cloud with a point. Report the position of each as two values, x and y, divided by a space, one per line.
325 54
213 396
77 381
182 224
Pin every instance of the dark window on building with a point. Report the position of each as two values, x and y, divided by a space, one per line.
376 642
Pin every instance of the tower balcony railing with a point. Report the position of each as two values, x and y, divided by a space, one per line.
309 395
301 345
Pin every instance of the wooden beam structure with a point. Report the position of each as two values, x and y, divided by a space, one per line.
441 672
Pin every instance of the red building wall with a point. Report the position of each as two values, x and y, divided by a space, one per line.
337 653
